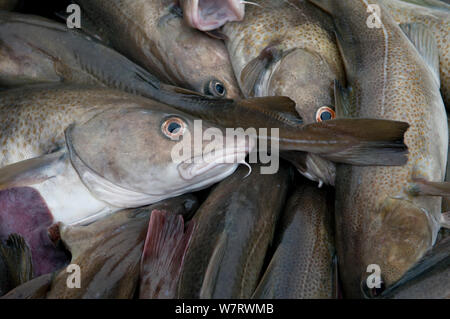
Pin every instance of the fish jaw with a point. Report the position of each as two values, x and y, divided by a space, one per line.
396 238
207 15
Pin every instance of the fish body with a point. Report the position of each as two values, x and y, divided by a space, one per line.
384 222
436 16
428 279
234 228
154 35
78 154
302 265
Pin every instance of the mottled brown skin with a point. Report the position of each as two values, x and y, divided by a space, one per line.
428 279
245 212
379 220
302 266
307 74
159 40
33 119
438 20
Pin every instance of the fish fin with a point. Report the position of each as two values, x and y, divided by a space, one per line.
164 251
280 108
32 171
253 73
17 256
375 142
325 5
424 187
424 41
433 4
445 220
343 99
209 281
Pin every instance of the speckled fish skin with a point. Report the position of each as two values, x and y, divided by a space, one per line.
151 34
382 222
438 20
234 229
302 266
306 75
428 279
33 118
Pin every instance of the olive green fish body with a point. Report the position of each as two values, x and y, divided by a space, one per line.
302 265
153 34
382 222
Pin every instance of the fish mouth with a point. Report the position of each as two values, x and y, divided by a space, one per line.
207 15
212 164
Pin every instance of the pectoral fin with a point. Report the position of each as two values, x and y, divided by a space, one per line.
423 187
343 100
253 75
163 257
32 171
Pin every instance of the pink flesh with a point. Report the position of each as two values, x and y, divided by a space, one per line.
24 211
215 13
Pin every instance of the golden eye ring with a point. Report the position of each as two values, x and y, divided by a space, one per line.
325 113
173 128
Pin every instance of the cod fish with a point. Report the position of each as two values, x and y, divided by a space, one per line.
16 266
435 15
388 220
60 54
288 48
108 253
115 155
302 266
207 15
154 35
428 279
234 228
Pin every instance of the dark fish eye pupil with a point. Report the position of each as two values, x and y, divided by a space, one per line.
173 128
220 89
325 116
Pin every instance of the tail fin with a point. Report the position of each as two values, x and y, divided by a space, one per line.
164 250
362 142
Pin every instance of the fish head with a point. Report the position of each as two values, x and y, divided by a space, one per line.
129 157
397 237
208 15
197 61
308 79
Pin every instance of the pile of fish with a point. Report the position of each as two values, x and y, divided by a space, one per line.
345 99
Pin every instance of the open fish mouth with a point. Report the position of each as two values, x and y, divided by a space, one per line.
207 15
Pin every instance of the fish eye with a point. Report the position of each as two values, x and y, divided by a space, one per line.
372 292
215 88
325 113
173 128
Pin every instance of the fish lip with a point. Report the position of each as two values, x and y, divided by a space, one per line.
198 22
197 166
